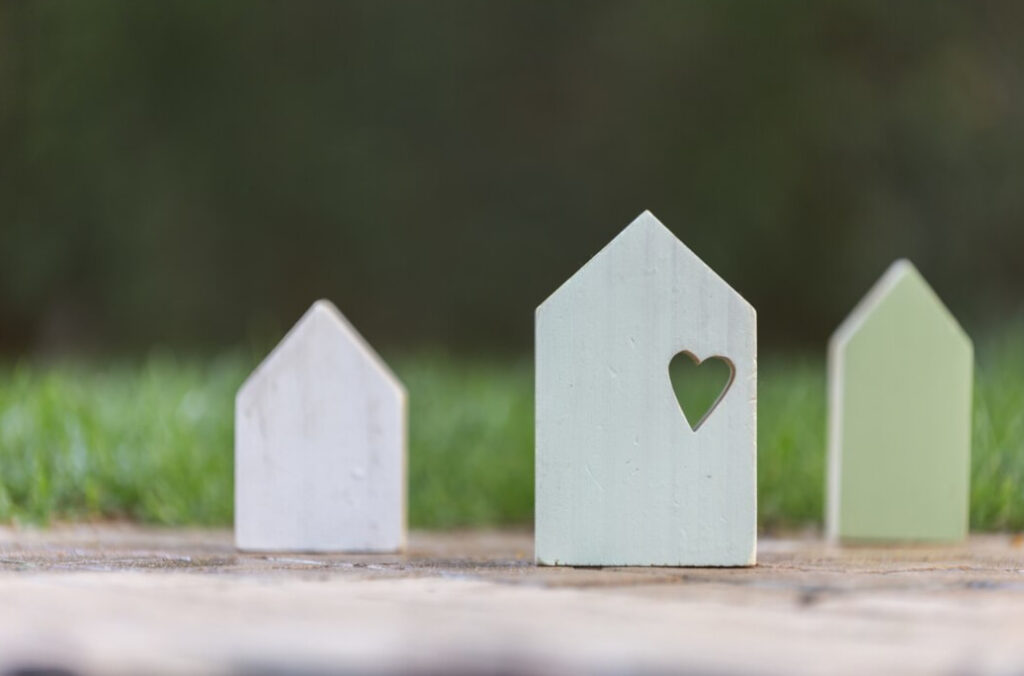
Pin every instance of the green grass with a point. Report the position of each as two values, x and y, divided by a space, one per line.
151 440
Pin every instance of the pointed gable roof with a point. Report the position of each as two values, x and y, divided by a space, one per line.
644 231
900 282
321 317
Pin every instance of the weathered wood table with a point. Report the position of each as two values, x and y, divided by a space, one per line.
122 599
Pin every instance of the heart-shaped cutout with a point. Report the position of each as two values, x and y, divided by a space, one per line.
699 385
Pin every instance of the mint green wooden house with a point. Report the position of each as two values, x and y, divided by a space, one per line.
900 381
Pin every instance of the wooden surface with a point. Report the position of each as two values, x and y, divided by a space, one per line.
900 380
123 600
621 475
320 444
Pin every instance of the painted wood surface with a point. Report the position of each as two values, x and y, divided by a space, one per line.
320 444
900 381
622 476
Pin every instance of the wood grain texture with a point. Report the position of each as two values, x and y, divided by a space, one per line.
900 382
104 599
622 478
320 444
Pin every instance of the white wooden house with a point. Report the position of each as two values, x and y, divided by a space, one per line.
320 444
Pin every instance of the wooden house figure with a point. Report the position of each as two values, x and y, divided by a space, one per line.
622 476
900 373
320 444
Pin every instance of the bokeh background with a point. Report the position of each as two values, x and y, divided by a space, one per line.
178 181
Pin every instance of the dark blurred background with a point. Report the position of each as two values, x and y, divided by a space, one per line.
196 173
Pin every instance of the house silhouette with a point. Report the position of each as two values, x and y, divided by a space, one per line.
900 383
320 444
622 478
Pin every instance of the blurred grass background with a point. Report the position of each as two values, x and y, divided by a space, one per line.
151 440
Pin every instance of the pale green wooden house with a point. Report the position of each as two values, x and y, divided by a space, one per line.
900 381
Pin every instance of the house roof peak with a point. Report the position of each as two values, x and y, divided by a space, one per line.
320 312
899 273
